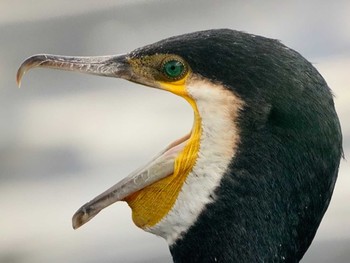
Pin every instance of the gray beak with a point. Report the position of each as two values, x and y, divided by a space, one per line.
108 66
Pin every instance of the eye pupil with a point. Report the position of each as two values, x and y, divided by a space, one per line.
173 69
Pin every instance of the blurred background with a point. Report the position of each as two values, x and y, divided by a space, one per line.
64 138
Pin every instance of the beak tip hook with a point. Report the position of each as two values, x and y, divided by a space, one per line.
77 220
19 78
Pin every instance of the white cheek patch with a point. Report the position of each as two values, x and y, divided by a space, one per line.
218 109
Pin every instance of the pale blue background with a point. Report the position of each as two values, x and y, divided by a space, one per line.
64 137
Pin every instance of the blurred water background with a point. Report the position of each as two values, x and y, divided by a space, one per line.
64 138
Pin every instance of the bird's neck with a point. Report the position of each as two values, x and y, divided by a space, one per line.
241 231
263 211
272 196
255 220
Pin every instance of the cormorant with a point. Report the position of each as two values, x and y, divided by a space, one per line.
255 175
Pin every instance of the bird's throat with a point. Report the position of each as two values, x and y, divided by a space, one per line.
153 202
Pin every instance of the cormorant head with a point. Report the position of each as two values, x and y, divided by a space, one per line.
262 156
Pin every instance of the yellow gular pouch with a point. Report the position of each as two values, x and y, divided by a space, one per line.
153 202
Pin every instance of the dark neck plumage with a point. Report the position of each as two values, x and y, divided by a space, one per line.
247 225
273 196
254 229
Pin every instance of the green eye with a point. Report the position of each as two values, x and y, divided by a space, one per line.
173 69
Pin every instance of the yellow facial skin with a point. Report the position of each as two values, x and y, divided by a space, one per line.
153 202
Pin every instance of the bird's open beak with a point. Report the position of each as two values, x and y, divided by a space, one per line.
160 167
